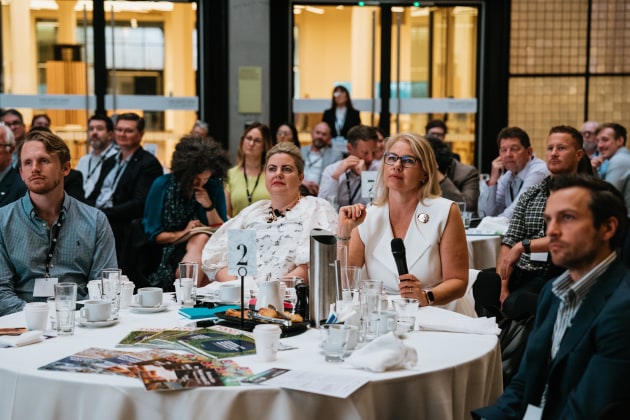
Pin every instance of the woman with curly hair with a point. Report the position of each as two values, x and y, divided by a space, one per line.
246 180
178 203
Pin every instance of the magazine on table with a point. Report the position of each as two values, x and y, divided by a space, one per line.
217 343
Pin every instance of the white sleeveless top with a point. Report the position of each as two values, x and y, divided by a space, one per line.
422 243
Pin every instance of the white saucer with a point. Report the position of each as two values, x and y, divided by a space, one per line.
148 310
82 322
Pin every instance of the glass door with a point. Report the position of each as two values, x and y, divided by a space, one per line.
432 63
150 61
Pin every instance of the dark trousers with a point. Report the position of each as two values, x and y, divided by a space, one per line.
524 287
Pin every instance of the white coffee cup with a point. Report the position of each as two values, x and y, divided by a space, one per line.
267 339
150 297
96 310
230 292
36 314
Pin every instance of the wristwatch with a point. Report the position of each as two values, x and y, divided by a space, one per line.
527 245
428 294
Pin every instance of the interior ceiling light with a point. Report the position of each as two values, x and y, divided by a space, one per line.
315 10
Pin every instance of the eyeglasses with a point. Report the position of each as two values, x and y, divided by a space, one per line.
253 140
13 123
407 161
284 133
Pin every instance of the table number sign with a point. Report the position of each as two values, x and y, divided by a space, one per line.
241 252
368 183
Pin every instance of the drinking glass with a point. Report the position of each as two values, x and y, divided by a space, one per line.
290 295
65 305
406 310
111 286
370 298
336 338
351 278
188 272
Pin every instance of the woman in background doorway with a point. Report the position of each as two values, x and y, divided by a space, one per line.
341 116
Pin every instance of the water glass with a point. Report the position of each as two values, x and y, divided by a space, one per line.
335 340
370 298
111 286
52 313
188 272
466 219
350 278
65 305
406 310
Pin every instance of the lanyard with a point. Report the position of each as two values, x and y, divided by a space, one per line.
100 162
56 227
250 194
354 194
90 170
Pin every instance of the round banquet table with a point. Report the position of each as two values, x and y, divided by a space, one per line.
483 250
455 374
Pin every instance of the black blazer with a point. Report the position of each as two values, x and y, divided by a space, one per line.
132 189
352 119
592 365
11 187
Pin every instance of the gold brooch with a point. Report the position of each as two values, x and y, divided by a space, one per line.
423 218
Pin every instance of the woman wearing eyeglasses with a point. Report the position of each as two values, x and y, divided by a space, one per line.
287 132
246 180
410 207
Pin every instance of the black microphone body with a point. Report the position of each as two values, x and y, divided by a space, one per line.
400 256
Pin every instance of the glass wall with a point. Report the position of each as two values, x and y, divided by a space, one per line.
150 60
569 62
432 56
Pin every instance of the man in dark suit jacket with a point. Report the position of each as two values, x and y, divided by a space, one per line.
11 185
123 185
577 361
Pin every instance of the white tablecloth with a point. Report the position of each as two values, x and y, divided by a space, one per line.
456 373
483 251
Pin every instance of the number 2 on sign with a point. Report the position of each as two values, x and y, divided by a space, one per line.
241 260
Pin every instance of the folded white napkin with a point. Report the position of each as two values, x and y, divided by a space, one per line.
384 352
493 225
208 290
436 319
29 337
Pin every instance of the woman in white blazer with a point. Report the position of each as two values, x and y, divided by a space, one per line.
410 207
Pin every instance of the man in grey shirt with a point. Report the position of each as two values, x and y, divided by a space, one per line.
513 172
47 236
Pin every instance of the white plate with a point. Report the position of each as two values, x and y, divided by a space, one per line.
82 322
148 310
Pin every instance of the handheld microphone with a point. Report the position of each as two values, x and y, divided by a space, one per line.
398 250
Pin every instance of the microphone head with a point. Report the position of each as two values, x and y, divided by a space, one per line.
398 246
